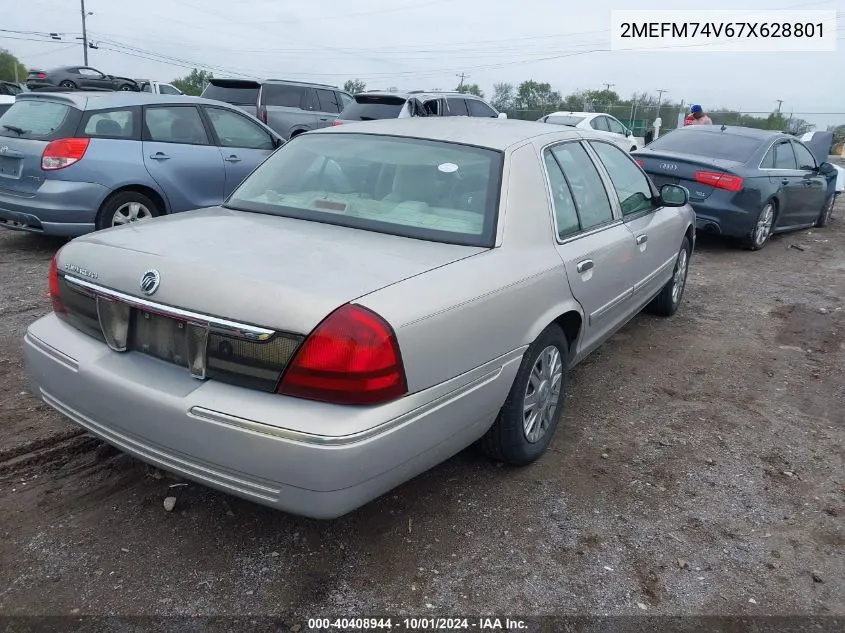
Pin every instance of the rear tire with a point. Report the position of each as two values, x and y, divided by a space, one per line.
669 300
522 432
126 88
125 208
67 84
763 228
827 212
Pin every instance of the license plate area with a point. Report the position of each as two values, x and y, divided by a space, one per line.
172 340
10 167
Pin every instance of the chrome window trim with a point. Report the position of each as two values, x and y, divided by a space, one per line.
769 149
245 330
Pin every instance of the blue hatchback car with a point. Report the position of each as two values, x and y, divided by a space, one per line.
72 163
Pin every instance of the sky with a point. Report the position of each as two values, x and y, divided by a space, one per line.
426 44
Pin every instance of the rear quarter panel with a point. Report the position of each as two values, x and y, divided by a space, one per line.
453 319
113 163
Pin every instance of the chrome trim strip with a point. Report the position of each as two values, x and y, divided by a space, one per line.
52 352
654 274
245 424
249 331
607 307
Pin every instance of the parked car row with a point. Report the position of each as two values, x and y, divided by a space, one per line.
604 124
301 327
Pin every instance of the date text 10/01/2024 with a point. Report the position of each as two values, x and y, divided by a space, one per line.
417 624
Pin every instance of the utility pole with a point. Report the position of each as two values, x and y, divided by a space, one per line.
84 34
780 101
462 76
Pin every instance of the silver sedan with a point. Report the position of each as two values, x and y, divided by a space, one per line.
371 300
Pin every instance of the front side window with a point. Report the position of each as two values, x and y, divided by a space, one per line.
478 108
114 123
587 187
423 189
615 126
631 185
175 124
233 130
457 107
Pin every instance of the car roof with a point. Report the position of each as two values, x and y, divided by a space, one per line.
733 130
498 134
107 99
570 113
243 82
425 94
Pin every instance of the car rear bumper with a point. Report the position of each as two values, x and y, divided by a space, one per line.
722 219
58 207
259 446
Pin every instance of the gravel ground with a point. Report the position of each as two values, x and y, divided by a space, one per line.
698 470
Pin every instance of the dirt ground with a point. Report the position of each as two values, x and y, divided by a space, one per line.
698 470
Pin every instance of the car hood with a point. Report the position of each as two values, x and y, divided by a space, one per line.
819 143
260 269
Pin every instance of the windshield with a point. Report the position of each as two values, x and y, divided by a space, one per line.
708 144
429 190
559 119
235 92
372 107
33 119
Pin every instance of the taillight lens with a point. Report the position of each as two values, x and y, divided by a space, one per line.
336 122
55 294
42 75
63 152
641 163
719 180
352 357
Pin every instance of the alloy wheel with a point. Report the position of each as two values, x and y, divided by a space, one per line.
763 228
680 278
542 394
130 212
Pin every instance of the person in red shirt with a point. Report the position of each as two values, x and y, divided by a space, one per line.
696 116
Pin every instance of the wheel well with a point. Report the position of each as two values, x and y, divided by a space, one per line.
152 194
297 133
570 323
689 233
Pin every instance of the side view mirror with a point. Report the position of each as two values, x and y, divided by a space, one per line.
673 196
827 169
277 142
502 115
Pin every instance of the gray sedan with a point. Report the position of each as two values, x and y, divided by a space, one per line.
374 298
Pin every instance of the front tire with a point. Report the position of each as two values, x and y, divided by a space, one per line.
527 421
126 207
669 300
762 230
827 212
68 84
126 88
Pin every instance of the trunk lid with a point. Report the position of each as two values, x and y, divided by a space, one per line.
679 169
264 270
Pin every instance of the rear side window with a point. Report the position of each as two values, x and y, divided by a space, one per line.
235 92
167 89
457 107
566 215
110 124
600 123
175 124
480 109
699 142
328 101
283 95
34 118
587 187
372 107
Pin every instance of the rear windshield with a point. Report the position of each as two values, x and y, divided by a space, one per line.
564 120
429 190
372 107
234 92
33 119
705 143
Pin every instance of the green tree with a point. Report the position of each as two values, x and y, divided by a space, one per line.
472 89
602 98
8 63
194 83
354 86
532 95
503 96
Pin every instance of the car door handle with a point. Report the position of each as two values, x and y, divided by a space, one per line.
232 159
584 266
642 239
324 118
159 156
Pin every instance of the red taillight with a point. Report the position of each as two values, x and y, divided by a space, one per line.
55 295
640 162
63 152
352 357
719 180
42 75
336 122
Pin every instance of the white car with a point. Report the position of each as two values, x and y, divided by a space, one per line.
604 124
6 102
158 87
